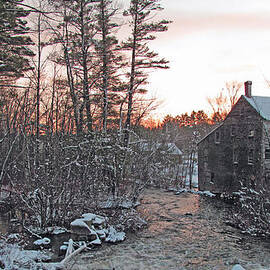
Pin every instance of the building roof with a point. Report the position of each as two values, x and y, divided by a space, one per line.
173 149
212 131
261 105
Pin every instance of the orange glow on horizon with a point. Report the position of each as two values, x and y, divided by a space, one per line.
152 123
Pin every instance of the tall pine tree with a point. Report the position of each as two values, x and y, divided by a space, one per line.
109 60
14 50
78 43
142 58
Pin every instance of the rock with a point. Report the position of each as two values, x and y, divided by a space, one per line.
62 250
93 236
82 231
238 267
102 234
92 219
96 242
78 226
114 236
99 221
43 243
2 265
82 238
88 218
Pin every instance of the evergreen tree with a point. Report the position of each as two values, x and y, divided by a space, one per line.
142 58
14 51
109 60
78 40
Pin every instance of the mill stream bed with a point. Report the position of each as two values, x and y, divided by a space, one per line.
185 232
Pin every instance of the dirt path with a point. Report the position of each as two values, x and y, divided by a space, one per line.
185 232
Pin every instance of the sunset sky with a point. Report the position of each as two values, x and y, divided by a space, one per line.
210 43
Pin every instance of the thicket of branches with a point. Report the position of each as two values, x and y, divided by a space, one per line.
71 94
186 130
251 213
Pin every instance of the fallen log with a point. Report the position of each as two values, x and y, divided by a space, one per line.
70 254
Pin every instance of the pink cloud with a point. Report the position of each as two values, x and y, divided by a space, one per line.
189 24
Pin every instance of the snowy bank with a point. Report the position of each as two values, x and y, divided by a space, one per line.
205 193
13 257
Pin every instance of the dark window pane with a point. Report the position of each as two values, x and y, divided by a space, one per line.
267 153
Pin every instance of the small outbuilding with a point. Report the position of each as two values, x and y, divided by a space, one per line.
166 148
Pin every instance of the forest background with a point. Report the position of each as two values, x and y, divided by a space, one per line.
74 114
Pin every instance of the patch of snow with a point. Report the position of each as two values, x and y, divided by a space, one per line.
36 230
98 221
118 202
43 241
13 236
79 223
181 190
89 216
238 267
128 204
96 242
110 203
63 247
205 193
51 266
14 258
56 230
95 219
35 255
171 189
114 236
254 191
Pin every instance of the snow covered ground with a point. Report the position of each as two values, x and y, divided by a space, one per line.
12 257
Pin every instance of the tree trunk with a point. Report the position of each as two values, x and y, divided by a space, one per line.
132 79
71 81
85 72
104 66
38 89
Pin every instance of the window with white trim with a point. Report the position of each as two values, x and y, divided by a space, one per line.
250 156
267 153
235 155
251 133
